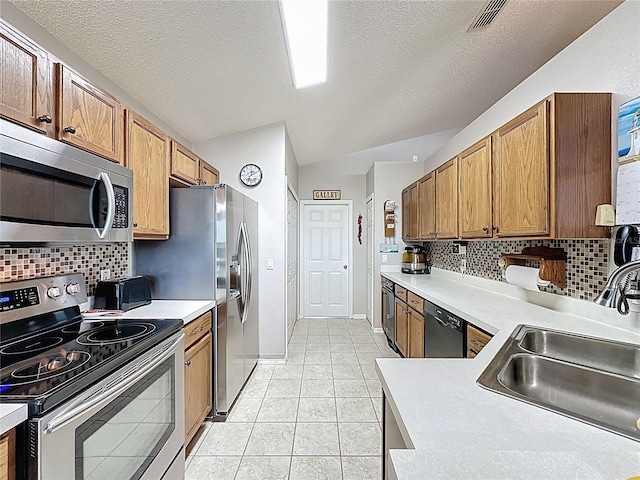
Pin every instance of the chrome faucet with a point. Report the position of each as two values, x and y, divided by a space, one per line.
607 297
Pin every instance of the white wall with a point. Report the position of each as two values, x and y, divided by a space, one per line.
264 146
291 164
31 29
389 178
606 58
317 176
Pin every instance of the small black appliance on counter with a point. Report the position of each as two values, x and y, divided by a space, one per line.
123 293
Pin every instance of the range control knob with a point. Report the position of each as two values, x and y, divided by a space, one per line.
53 292
73 288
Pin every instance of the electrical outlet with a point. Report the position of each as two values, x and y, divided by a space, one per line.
105 274
385 258
463 265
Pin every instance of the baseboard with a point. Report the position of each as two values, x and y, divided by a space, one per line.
378 330
359 316
272 361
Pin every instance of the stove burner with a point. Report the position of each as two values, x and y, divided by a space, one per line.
31 345
116 333
46 367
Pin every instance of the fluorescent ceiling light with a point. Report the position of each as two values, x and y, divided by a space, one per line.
305 27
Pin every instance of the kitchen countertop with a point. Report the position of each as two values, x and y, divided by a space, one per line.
186 310
12 414
455 429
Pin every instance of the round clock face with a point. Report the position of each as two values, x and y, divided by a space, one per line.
251 175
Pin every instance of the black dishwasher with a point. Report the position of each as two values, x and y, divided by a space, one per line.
443 333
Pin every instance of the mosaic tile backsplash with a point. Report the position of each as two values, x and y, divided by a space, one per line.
25 263
587 262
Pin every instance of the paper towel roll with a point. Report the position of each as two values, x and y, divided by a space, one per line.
525 277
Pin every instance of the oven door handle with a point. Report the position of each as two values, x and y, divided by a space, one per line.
106 397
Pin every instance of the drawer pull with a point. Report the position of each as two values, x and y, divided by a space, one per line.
187 363
45 118
70 129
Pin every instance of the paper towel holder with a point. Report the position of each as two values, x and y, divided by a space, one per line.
553 262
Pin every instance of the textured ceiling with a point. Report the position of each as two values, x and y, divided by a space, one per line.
397 70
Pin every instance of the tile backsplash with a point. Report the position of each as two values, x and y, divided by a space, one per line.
25 263
587 262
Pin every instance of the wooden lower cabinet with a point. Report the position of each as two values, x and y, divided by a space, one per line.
402 327
198 382
416 334
476 340
8 455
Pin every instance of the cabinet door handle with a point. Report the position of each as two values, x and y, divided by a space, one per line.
485 228
45 118
496 228
187 363
204 182
70 129
135 224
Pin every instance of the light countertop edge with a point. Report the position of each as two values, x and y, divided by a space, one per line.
456 429
12 414
185 310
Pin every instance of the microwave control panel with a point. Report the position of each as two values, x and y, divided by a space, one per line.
121 219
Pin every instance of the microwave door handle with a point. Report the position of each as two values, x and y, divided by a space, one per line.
106 397
111 205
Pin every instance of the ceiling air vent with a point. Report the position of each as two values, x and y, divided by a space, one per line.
487 15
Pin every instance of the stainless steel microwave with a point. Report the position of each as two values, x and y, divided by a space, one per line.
51 192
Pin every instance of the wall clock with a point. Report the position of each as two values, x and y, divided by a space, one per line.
251 175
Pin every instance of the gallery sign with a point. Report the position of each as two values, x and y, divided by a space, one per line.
326 194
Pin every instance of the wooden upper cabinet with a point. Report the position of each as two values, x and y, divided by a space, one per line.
208 174
410 212
521 175
447 200
147 154
26 82
88 117
475 191
185 165
427 206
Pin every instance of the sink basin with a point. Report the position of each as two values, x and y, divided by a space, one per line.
593 380
615 357
609 401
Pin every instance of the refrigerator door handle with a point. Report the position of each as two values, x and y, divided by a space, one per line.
248 259
241 282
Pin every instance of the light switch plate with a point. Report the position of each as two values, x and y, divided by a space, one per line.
269 263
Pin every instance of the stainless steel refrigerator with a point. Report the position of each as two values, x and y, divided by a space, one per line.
212 254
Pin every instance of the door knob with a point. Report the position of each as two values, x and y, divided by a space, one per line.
344 266
70 129
45 118
485 228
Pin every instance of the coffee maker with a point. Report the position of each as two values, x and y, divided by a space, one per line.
414 260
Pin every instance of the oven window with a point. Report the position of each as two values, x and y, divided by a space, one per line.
122 439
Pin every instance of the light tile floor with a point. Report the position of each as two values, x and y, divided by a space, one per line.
316 417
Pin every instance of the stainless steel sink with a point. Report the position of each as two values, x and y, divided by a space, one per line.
590 379
615 357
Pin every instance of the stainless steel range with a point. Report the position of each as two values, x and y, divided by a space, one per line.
106 399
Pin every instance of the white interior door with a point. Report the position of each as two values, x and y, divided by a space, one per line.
370 285
292 261
325 259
